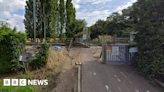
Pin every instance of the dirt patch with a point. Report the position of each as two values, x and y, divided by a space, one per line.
96 55
31 49
66 81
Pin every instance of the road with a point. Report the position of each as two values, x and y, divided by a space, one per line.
110 77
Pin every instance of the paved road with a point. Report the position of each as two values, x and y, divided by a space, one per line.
97 77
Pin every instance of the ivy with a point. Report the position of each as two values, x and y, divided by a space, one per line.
10 49
41 57
150 37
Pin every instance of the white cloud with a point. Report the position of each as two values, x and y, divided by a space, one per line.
76 5
92 17
76 1
120 8
12 5
15 20
92 1
101 1
97 2
6 9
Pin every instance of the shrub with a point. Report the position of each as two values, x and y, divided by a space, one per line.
150 57
41 57
10 49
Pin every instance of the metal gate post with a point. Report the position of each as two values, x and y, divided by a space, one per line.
127 54
103 54
114 41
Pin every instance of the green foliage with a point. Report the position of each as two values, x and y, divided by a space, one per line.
41 57
76 29
59 15
150 57
50 15
116 24
70 18
28 21
98 29
10 49
62 17
95 40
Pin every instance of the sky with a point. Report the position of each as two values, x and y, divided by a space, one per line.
12 11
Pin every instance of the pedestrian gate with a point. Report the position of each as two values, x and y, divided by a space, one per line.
118 54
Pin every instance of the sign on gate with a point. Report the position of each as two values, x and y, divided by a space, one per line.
108 49
115 50
133 49
118 54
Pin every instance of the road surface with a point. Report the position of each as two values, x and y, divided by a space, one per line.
110 77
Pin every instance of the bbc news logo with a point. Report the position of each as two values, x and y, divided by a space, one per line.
23 82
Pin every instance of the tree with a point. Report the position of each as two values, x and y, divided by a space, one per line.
150 37
70 18
53 17
61 17
28 21
50 16
98 29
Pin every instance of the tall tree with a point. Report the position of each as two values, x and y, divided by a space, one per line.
50 15
98 29
70 18
28 21
61 17
53 17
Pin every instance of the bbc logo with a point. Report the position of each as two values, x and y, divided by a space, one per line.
23 82
14 82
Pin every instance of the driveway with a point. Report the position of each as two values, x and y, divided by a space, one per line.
110 77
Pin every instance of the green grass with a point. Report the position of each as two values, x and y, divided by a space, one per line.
27 88
44 87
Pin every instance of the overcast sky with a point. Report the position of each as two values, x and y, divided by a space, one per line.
91 10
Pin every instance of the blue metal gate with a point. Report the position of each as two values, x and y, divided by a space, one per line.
117 54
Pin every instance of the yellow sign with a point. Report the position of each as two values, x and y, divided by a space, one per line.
85 30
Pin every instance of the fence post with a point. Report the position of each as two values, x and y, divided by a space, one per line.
114 41
127 54
37 42
103 54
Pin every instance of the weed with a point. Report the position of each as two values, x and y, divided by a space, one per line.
72 89
46 74
59 67
44 87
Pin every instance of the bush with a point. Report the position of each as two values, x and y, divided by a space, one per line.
10 49
150 56
41 57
